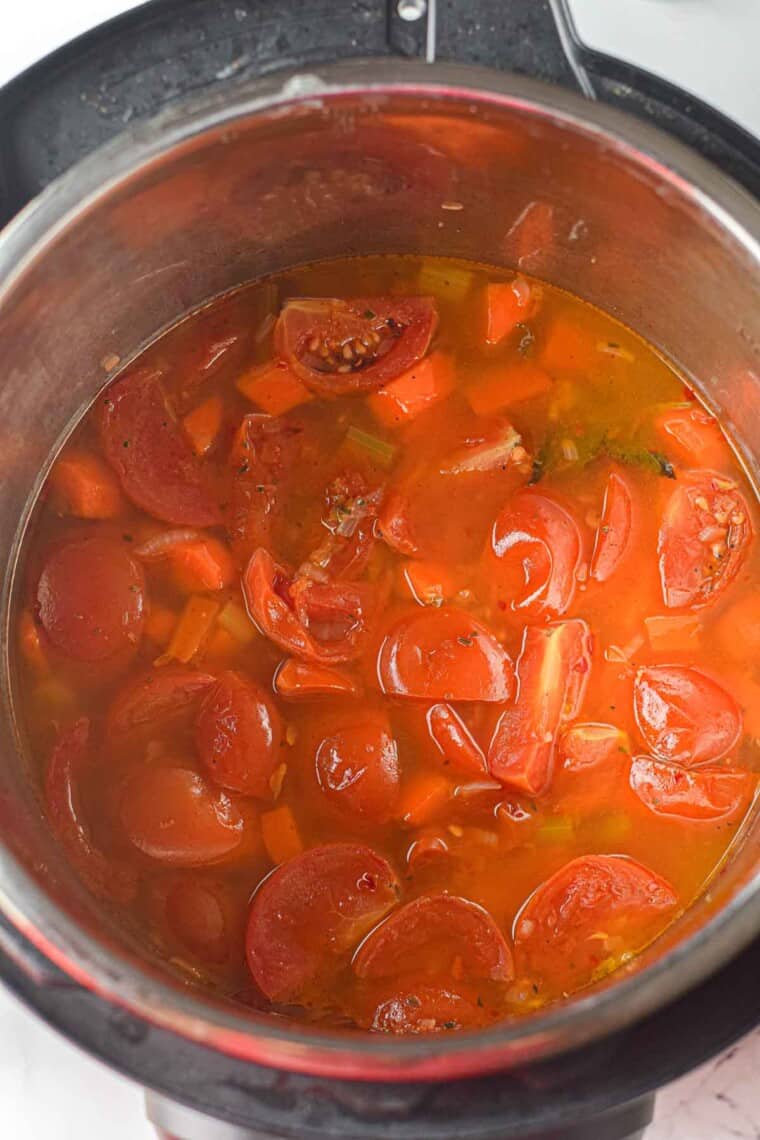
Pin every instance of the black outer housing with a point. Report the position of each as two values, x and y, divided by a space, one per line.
53 115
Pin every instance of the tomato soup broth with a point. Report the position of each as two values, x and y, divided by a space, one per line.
389 649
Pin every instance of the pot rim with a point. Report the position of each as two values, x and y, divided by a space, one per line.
269 1041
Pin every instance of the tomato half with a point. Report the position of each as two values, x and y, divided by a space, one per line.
147 449
685 716
240 736
357 765
444 654
578 924
532 556
552 676
91 599
704 795
318 621
173 815
338 347
437 933
426 1008
613 535
704 539
195 911
591 775
158 700
307 917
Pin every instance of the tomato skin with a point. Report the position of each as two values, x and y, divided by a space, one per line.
357 765
704 795
425 1008
147 449
585 746
402 328
302 680
695 436
309 914
685 716
444 654
174 816
555 933
239 736
553 672
704 539
443 925
532 557
265 450
454 740
613 536
592 774
196 915
159 698
91 599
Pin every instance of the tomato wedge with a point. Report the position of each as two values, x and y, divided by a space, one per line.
301 680
321 622
69 757
265 449
704 539
240 736
454 740
155 463
685 716
704 795
426 1008
613 535
357 765
444 654
174 816
438 933
91 599
308 916
578 924
155 701
338 347
552 676
532 556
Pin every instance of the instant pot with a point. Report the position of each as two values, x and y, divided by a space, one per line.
192 145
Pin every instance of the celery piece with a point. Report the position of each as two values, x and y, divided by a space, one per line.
383 453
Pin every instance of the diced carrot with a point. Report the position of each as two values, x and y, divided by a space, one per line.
506 304
429 583
222 646
280 834
84 485
416 390
192 630
273 388
422 799
666 633
30 643
160 625
507 385
567 348
202 424
203 565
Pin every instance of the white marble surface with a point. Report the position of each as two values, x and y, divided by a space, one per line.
51 1091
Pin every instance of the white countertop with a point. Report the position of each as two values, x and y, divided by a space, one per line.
51 1091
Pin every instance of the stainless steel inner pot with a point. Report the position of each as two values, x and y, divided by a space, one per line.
359 159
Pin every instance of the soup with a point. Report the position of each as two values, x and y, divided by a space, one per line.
389 647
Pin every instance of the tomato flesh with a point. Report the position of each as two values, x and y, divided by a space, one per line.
154 702
613 536
425 1008
685 716
704 795
358 767
240 736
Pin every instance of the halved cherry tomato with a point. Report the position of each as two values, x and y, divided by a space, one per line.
90 598
585 746
157 467
357 765
195 913
240 735
707 794
157 700
444 654
337 347
265 449
552 675
426 1008
704 539
532 556
591 777
319 621
685 716
173 815
70 755
613 535
300 680
454 740
307 917
586 916
433 933
695 437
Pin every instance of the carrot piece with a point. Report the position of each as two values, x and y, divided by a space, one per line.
160 625
30 643
422 799
510 384
429 583
567 348
203 565
280 834
672 633
414 391
192 630
85 486
273 388
202 424
506 304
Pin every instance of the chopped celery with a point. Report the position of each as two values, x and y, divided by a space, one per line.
611 828
450 282
382 452
236 622
556 829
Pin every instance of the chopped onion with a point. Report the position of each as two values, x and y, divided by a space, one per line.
160 544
